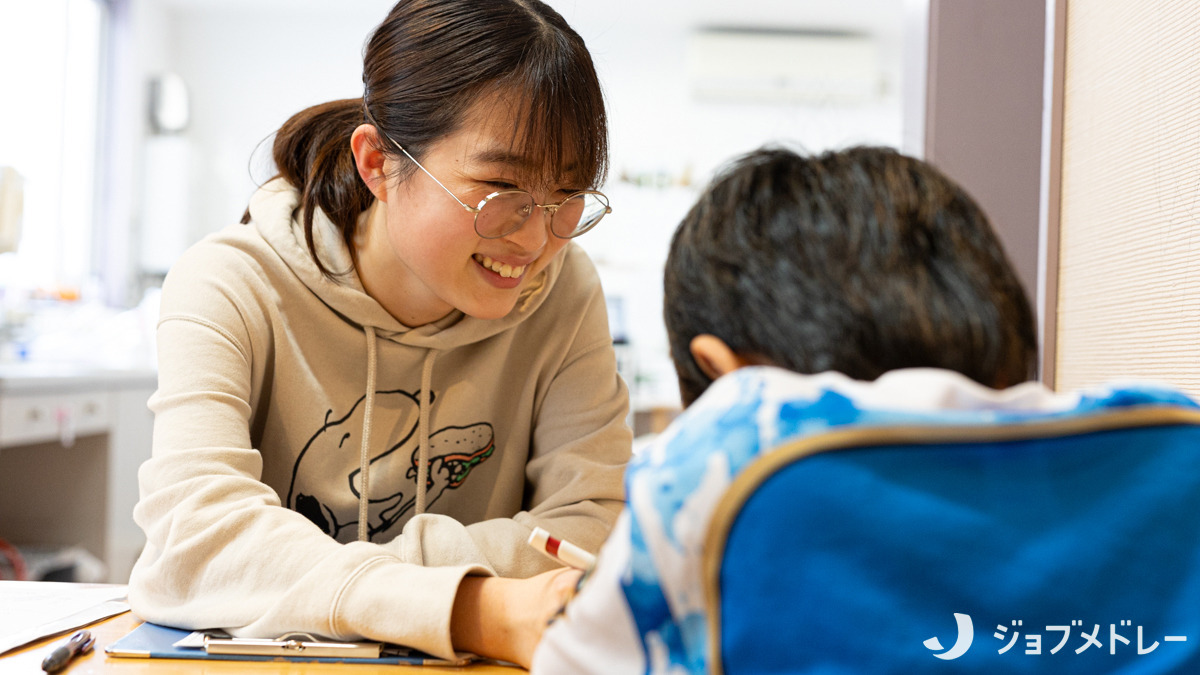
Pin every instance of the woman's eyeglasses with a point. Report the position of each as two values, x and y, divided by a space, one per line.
504 212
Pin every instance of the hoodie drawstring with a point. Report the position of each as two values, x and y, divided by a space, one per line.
364 455
425 402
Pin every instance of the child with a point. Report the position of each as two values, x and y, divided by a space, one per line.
372 390
801 293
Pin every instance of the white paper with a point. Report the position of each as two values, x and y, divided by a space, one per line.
38 609
193 640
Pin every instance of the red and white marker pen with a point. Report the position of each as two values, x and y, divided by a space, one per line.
562 551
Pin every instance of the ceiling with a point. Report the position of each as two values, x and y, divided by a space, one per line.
881 18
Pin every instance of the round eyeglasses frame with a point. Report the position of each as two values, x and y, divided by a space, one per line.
550 209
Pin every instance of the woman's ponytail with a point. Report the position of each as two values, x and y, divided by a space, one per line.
312 152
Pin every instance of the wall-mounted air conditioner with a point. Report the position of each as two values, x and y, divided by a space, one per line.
784 66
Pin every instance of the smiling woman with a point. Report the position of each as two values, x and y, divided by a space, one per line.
395 393
447 260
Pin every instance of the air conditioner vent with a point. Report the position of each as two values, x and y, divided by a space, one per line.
784 66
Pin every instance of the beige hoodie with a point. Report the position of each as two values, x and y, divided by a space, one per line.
282 393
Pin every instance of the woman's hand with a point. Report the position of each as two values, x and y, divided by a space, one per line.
504 618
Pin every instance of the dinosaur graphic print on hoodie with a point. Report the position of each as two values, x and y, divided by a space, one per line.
454 451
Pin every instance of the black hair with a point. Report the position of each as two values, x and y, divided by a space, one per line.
859 261
424 67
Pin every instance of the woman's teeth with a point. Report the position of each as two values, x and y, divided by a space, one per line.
503 269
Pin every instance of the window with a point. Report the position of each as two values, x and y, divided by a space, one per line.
50 93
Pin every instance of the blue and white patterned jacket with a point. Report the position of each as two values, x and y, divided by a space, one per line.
642 609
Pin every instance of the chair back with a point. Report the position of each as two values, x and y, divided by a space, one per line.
1055 546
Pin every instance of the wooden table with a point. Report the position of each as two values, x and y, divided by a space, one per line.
28 659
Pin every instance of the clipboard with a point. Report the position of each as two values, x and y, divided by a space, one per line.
153 641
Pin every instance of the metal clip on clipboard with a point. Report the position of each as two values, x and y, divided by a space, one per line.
293 644
154 641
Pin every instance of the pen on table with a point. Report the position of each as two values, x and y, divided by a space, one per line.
80 643
561 550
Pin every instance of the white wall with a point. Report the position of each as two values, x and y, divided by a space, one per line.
249 70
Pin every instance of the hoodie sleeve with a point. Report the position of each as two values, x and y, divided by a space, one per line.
580 445
581 441
221 550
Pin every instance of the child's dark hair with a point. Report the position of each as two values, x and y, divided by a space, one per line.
859 261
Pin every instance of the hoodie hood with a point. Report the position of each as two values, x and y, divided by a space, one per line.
275 211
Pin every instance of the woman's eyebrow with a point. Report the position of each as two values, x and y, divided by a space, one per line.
512 159
498 156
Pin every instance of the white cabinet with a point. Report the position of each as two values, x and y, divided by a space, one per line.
34 418
71 442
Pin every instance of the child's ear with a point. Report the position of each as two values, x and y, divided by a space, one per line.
715 357
364 143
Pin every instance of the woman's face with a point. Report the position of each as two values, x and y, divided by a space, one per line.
431 260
